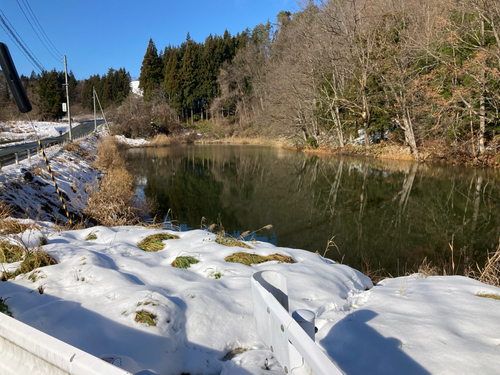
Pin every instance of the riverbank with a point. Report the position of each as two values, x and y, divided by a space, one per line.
438 152
111 297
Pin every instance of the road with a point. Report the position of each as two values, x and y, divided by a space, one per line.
85 127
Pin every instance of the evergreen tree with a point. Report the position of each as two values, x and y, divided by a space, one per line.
172 82
50 95
151 76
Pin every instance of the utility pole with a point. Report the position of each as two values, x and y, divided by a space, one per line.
67 98
95 119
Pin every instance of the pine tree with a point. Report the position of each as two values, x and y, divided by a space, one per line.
172 82
50 95
151 76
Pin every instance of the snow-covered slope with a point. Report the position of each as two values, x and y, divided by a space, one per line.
401 326
134 85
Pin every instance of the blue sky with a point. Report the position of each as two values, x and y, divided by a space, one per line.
98 35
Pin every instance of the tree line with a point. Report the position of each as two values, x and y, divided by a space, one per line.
426 70
47 92
187 75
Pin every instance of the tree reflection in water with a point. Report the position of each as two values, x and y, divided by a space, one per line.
387 214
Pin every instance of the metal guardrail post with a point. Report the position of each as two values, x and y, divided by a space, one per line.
17 159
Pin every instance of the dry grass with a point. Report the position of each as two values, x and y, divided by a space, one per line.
145 317
226 240
10 253
108 154
91 237
161 140
76 148
426 269
249 259
489 295
113 202
8 226
154 242
490 274
31 261
184 262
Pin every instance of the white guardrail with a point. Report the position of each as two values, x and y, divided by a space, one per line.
25 350
290 337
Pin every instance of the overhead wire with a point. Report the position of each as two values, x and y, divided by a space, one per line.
20 43
41 28
36 33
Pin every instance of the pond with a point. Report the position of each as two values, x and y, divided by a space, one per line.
371 214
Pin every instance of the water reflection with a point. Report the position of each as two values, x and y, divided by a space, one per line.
383 214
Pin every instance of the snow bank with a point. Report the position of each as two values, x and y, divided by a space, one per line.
90 300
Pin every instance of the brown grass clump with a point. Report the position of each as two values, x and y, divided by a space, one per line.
161 140
112 202
10 253
426 269
108 154
76 148
154 242
230 241
490 274
489 295
249 259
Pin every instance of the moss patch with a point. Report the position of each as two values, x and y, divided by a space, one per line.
249 259
145 317
155 242
184 262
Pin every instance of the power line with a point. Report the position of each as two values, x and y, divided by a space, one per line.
27 5
19 43
27 19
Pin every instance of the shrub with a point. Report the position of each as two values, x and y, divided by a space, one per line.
312 142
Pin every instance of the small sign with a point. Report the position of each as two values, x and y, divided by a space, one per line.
64 107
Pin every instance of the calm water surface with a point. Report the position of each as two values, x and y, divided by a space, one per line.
382 214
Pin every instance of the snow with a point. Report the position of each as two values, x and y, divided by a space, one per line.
134 85
25 131
139 142
406 325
